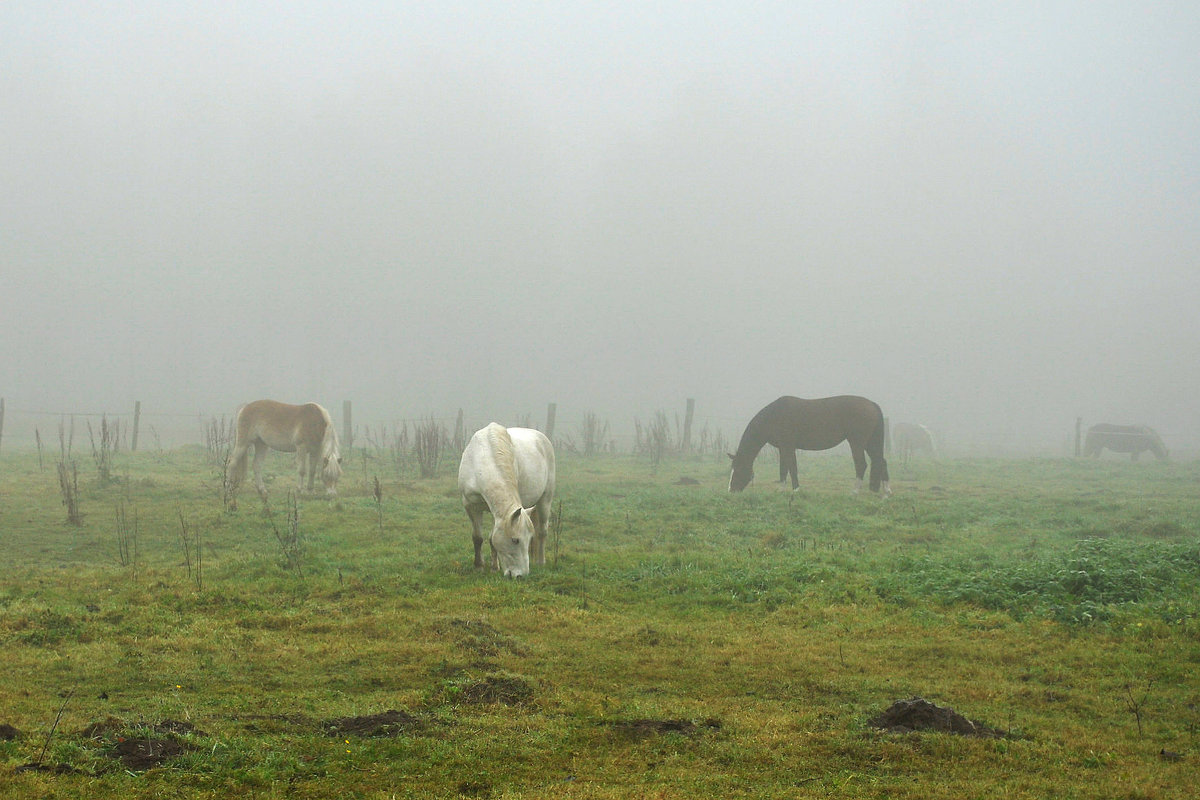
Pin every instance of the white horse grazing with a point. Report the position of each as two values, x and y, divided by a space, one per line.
304 430
909 437
509 472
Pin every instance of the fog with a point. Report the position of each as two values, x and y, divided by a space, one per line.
985 217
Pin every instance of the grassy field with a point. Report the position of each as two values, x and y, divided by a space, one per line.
680 641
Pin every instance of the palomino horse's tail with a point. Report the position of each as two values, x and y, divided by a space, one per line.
240 454
879 471
331 457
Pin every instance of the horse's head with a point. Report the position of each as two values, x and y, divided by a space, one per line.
510 542
741 473
331 470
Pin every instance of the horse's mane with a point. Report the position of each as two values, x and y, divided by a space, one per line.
503 453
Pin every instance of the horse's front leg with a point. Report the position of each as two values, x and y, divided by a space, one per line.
475 514
537 545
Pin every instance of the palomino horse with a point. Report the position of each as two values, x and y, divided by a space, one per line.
1132 439
509 472
909 437
792 423
304 430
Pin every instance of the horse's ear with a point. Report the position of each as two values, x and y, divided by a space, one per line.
516 515
731 456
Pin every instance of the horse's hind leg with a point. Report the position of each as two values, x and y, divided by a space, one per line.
260 453
787 466
300 469
860 466
236 472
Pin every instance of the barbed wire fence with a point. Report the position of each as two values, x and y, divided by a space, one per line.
584 431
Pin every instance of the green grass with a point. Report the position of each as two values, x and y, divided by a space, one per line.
1044 597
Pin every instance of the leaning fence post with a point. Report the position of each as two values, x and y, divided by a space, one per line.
1 420
347 426
551 413
1078 430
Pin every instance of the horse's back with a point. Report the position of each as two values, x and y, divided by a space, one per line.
498 461
283 425
535 464
820 423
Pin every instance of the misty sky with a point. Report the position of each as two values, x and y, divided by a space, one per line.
984 216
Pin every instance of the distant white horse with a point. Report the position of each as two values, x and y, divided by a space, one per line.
509 472
908 438
304 430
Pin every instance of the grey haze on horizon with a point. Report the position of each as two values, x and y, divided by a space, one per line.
985 217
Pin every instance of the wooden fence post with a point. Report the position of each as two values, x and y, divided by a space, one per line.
686 444
347 426
1078 432
1 420
887 436
459 444
551 413
137 416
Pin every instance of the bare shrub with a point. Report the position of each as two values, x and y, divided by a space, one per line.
68 476
429 438
289 542
68 484
655 440
594 434
127 539
102 452
218 438
191 542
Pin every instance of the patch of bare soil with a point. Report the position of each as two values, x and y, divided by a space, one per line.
144 753
643 728
8 732
387 723
146 746
508 690
918 714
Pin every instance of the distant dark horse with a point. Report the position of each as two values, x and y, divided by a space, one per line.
792 423
1132 439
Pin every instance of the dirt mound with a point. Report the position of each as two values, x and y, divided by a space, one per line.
8 733
146 753
387 723
918 714
509 690
642 728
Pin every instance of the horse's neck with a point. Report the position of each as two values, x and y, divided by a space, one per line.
753 439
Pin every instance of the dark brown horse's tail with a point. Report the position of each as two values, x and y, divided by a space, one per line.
879 470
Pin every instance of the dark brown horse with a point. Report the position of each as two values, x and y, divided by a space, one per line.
792 423
1132 439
